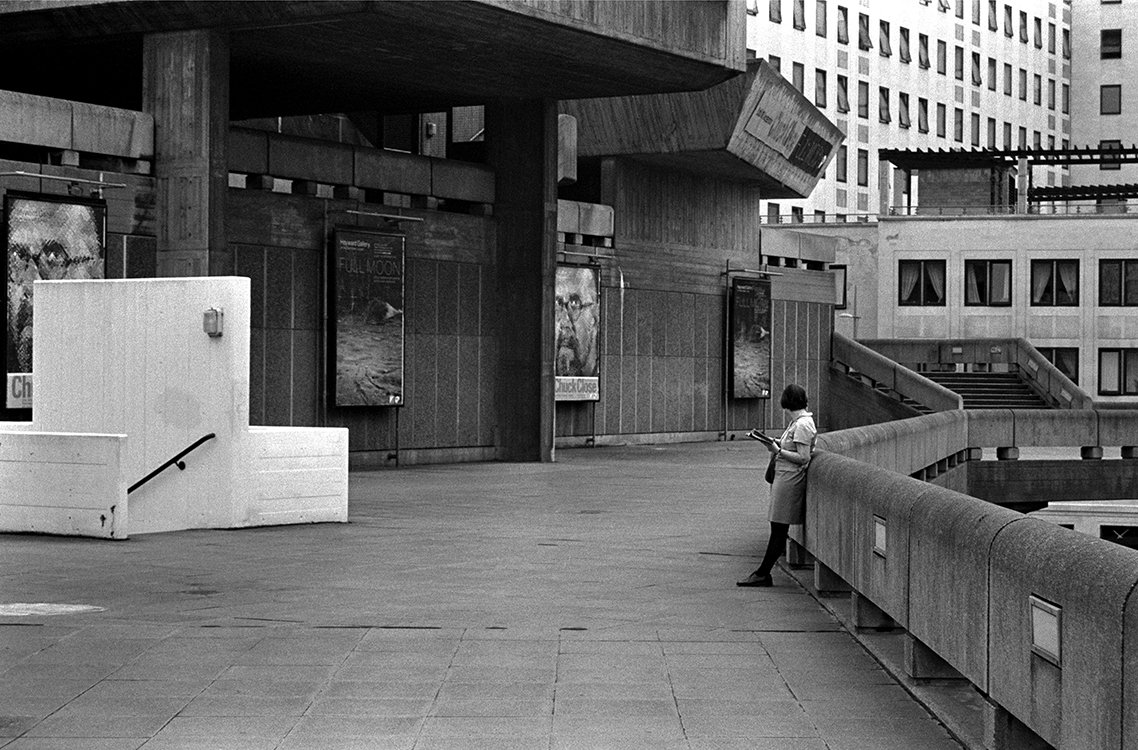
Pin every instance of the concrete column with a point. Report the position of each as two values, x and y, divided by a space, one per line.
1130 451
797 556
827 582
883 169
521 146
1023 183
865 615
1002 731
974 454
922 663
1007 454
1090 452
185 85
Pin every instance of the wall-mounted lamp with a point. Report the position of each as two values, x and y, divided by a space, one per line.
880 536
213 322
1046 630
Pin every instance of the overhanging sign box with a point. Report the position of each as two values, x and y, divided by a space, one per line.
19 390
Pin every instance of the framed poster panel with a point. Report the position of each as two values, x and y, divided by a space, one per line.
750 322
577 318
47 237
365 355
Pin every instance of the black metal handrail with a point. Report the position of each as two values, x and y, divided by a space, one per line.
175 461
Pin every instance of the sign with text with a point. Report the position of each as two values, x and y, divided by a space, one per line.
750 338
19 391
578 323
367 336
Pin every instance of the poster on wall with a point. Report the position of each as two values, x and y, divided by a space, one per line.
750 338
48 237
578 322
366 340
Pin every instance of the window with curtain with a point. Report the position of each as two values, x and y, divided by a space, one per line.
1038 33
820 18
843 26
944 6
903 45
991 132
958 63
776 11
1022 84
863 40
977 78
863 167
1007 135
798 77
1118 372
843 94
1118 283
1066 44
923 115
1007 79
1065 359
883 104
941 57
975 130
800 14
1023 26
819 87
776 63
903 109
977 12
958 125
1023 138
1054 283
1009 28
863 99
923 51
988 283
1110 99
993 16
841 164
1051 38
1037 89
920 283
941 121
883 45
1051 93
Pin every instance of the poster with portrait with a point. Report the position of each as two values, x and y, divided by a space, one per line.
750 338
47 238
577 319
366 340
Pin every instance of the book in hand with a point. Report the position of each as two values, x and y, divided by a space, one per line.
756 435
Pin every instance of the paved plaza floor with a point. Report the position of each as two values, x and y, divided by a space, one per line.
587 603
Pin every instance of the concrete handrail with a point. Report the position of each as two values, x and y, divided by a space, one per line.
896 377
1048 379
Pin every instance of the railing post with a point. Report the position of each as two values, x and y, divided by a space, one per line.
1010 453
922 663
1090 452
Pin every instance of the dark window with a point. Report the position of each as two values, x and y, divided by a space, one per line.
923 115
1118 283
1051 38
1007 79
903 45
1118 372
1037 89
941 121
1066 359
1038 33
863 99
976 12
958 63
923 50
992 73
993 16
1066 99
976 77
941 57
843 94
1108 163
1111 44
1054 283
819 87
1051 93
991 132
800 15
958 125
841 164
843 26
1009 29
1023 138
820 18
975 129
988 283
796 214
1023 84
903 110
863 40
776 11
920 283
1066 44
1110 99
840 298
776 63
883 45
1023 26
883 104
798 76
1007 135
862 167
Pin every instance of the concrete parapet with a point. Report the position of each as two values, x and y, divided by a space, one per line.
1058 632
1055 427
1117 427
990 428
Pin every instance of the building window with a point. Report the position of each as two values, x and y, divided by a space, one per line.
776 63
1066 359
991 132
1110 99
1022 85
800 15
1023 138
1066 44
923 51
1051 39
1066 99
977 79
993 16
988 283
1118 372
796 215
840 299
1111 44
1038 33
941 121
903 45
776 11
1007 79
1108 163
976 12
883 45
883 104
843 94
863 41
1007 135
798 77
1009 29
920 283
958 125
958 63
1054 283
820 18
862 167
975 129
843 26
1118 283
960 8
863 99
992 74
1037 89
941 57
841 164
1051 93
903 110
772 213
923 115
819 87
1023 26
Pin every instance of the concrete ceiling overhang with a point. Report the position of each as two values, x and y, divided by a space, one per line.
346 55
755 128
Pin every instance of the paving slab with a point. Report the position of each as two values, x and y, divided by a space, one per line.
585 603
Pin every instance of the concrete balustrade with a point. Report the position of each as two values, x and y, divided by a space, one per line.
1041 620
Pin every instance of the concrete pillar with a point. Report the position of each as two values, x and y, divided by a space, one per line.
974 454
1007 454
1002 731
883 169
865 615
797 556
1130 451
185 85
1023 183
827 582
922 663
521 146
1090 452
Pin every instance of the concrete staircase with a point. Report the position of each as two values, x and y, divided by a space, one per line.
990 390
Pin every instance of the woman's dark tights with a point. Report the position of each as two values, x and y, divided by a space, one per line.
775 547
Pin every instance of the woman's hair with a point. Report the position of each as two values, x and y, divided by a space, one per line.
793 398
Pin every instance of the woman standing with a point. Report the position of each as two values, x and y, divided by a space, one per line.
792 454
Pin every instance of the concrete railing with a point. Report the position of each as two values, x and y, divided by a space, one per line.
1055 387
895 378
1041 620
